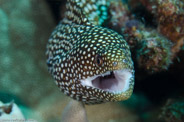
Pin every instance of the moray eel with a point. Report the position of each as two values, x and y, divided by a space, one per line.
89 63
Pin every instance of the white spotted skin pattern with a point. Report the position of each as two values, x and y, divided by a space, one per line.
71 56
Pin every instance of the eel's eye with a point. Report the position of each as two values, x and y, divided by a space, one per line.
98 60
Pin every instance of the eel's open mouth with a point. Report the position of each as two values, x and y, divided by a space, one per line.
112 81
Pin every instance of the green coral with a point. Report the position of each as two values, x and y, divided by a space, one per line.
173 111
154 51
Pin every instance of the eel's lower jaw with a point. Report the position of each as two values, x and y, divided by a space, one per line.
112 81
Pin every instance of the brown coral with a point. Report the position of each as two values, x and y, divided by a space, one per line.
170 18
150 49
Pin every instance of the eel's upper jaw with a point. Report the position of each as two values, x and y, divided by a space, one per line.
112 81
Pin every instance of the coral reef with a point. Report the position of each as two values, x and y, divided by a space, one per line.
169 16
173 110
118 15
10 112
154 40
151 50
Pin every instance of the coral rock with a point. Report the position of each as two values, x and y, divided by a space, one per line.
173 110
10 112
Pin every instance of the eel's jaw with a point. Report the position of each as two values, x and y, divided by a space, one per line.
112 81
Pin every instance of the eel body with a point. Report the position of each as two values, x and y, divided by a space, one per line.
89 63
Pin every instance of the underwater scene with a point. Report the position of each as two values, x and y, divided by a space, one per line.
91 60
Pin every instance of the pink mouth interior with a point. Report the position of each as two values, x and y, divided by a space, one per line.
116 81
106 82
